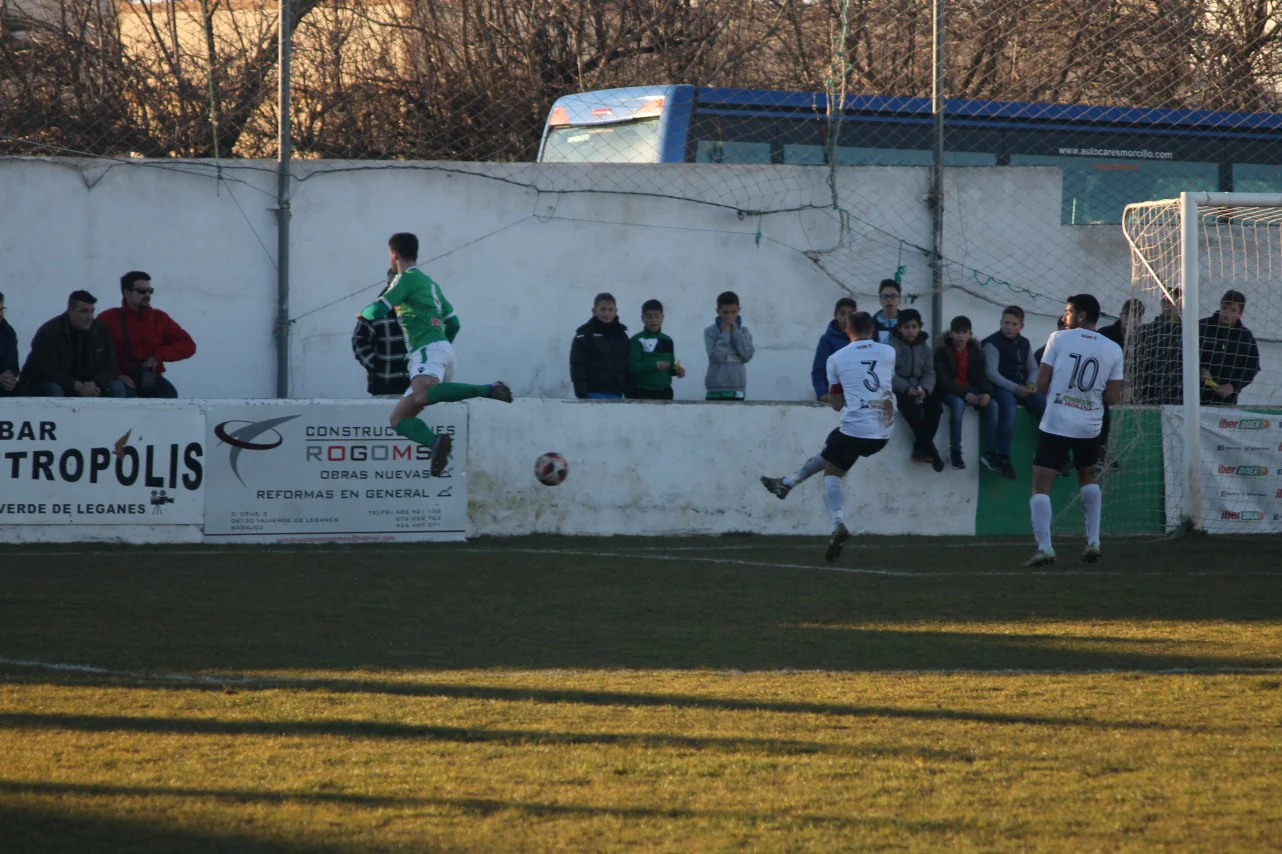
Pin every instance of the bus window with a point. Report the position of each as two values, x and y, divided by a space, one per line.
848 156
1257 178
1096 191
623 142
720 151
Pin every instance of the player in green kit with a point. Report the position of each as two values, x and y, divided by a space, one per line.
429 323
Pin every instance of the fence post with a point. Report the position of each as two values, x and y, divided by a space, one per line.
282 210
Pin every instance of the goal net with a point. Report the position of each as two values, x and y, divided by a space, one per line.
1204 361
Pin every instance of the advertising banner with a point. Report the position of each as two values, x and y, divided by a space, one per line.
100 463
1242 471
299 472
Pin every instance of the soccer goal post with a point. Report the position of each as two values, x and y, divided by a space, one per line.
1203 349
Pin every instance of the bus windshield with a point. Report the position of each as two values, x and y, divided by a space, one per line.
621 142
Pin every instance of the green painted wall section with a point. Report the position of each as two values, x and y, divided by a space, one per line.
1134 497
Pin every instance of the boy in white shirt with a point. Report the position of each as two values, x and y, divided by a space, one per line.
1081 371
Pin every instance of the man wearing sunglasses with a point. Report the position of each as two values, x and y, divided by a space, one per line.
145 338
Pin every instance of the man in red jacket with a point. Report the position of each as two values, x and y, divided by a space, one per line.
145 338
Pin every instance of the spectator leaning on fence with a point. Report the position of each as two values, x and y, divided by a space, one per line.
961 380
834 338
914 385
379 346
888 294
9 368
1159 355
729 346
1011 368
652 360
1230 358
72 355
145 338
599 353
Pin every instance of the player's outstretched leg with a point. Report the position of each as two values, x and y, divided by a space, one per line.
454 392
405 422
781 486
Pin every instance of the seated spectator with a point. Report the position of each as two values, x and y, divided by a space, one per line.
652 359
1125 325
1037 356
144 338
834 338
961 380
914 385
379 345
1230 358
72 355
9 369
1010 367
887 318
599 353
730 348
1159 355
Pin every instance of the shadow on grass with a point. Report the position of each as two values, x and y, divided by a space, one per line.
480 807
330 728
424 609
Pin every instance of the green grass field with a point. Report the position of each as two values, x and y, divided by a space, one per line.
709 694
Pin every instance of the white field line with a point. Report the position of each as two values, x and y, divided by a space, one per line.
1023 573
219 681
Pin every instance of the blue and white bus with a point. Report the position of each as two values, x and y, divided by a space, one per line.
1110 156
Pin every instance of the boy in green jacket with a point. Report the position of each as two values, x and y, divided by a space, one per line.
651 357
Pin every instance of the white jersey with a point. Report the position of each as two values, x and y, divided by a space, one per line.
864 370
1082 362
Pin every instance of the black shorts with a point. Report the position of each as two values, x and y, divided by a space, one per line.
1052 451
651 394
842 450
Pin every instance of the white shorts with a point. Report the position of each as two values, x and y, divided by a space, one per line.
434 360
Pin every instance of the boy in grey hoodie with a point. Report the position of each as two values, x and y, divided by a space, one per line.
914 386
729 346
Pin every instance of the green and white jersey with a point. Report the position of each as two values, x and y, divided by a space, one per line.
420 306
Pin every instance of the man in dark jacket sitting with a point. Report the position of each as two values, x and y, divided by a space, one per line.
72 355
599 353
961 380
834 338
8 356
1230 358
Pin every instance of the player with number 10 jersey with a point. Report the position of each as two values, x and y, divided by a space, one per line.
1082 362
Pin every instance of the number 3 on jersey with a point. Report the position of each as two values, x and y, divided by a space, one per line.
872 382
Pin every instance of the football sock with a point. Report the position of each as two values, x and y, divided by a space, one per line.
453 392
415 430
1091 501
1041 509
833 498
810 467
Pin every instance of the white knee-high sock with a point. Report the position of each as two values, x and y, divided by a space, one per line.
833 498
1092 498
1040 505
810 467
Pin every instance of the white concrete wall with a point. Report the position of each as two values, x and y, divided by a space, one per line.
522 248
693 468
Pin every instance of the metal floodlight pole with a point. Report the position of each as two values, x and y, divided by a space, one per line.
1191 379
937 177
282 210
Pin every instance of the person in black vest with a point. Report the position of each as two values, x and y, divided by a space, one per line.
73 355
1230 358
599 353
1008 358
9 367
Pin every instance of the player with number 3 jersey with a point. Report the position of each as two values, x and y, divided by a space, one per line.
859 386
1081 371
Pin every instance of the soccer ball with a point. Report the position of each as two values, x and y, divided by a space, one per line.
551 469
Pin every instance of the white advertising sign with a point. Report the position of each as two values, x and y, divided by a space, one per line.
330 472
100 463
1242 471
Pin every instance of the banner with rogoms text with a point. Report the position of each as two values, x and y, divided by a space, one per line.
100 462
330 471
1242 471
